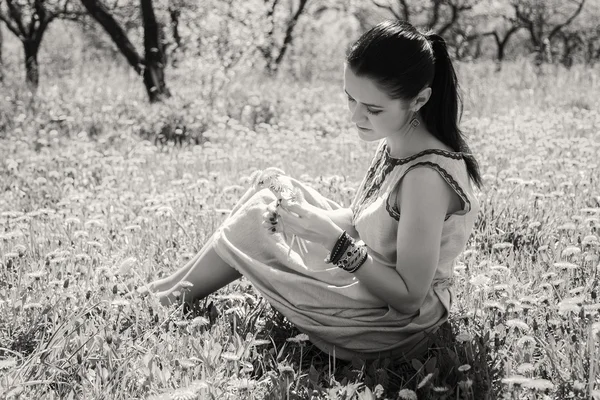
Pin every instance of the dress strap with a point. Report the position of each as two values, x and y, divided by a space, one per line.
449 165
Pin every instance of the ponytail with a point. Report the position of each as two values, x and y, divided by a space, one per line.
443 110
401 60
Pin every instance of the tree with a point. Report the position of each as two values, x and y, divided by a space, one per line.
1 58
151 66
544 20
28 21
271 51
438 15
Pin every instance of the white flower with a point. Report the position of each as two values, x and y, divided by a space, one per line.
539 384
407 394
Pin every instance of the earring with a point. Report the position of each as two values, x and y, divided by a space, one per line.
414 122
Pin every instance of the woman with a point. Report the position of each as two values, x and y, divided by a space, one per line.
376 277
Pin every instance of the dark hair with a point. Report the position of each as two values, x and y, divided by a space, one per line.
402 61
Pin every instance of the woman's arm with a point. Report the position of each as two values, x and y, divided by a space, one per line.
425 199
342 217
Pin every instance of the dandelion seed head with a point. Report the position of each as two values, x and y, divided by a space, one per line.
407 394
7 364
298 338
517 323
464 368
525 340
539 384
525 368
515 380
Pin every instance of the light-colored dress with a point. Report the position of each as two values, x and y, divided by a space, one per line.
338 313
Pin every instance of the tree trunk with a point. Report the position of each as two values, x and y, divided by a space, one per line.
32 74
154 74
1 59
287 41
101 14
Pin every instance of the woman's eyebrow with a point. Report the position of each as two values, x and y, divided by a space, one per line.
370 105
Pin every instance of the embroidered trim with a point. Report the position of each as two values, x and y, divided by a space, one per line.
440 152
396 214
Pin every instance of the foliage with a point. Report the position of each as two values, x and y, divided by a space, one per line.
92 209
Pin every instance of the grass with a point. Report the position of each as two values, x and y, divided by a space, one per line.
102 193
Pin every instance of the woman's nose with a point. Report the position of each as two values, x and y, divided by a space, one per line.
358 115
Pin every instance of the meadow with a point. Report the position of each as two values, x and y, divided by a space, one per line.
102 193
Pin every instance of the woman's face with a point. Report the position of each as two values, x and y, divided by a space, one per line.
374 113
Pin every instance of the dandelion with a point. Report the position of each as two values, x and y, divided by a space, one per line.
590 240
230 357
440 389
407 394
517 323
500 269
187 364
93 243
200 321
80 234
480 280
126 265
494 305
37 274
566 265
72 220
94 222
525 341
7 364
260 342
469 252
571 251
464 368
298 338
567 226
183 394
572 304
425 380
525 368
285 369
120 303
181 324
464 337
539 384
515 380
502 246
29 306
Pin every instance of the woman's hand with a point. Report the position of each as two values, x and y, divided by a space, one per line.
303 220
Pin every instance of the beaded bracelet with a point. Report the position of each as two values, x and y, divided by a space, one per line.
354 257
339 248
361 261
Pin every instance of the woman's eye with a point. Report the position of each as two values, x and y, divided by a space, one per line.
373 112
351 99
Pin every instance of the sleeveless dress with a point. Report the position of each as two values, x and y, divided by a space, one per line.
337 312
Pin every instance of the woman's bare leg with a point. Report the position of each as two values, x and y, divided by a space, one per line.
206 271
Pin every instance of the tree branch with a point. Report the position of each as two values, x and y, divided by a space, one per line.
558 27
388 8
14 11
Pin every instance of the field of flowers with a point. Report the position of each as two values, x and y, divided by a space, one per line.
101 193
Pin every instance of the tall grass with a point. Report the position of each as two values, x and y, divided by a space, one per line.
97 200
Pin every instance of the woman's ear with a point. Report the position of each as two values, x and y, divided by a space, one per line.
421 99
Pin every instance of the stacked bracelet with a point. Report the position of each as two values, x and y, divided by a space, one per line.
347 254
354 257
339 248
